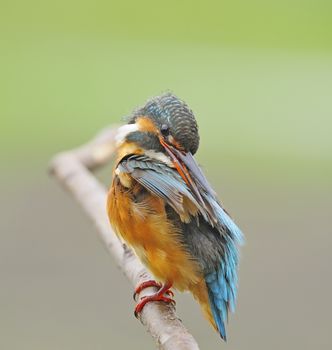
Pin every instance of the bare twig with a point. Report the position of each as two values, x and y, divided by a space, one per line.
71 169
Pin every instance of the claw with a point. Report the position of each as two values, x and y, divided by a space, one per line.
159 296
139 307
169 293
146 284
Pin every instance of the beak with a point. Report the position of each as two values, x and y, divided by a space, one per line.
189 170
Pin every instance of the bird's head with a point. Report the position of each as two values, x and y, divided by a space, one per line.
164 120
167 129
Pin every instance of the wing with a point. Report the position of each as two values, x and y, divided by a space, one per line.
162 181
166 183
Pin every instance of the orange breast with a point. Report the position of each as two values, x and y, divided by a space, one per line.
144 226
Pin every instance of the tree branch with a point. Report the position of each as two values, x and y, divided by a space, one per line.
71 169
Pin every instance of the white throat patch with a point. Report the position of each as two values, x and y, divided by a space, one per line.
123 131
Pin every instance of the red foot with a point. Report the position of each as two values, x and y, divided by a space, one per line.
150 283
146 284
159 296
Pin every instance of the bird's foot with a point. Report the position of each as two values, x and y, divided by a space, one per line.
151 283
159 296
146 284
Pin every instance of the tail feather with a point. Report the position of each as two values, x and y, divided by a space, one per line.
222 282
201 294
218 298
217 292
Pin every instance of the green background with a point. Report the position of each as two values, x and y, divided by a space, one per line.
258 75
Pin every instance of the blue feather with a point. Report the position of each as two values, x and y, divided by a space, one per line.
223 218
222 282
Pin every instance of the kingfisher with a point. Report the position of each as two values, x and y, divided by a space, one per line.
161 204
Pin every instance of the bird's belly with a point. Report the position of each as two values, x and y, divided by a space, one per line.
169 264
147 230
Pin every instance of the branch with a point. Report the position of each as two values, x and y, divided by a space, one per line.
71 169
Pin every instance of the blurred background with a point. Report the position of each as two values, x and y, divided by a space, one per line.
258 75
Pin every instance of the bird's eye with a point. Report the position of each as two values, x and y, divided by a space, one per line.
164 129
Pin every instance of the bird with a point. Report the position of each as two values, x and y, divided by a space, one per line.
161 204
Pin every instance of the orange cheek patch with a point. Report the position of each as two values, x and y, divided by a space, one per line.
127 148
147 125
